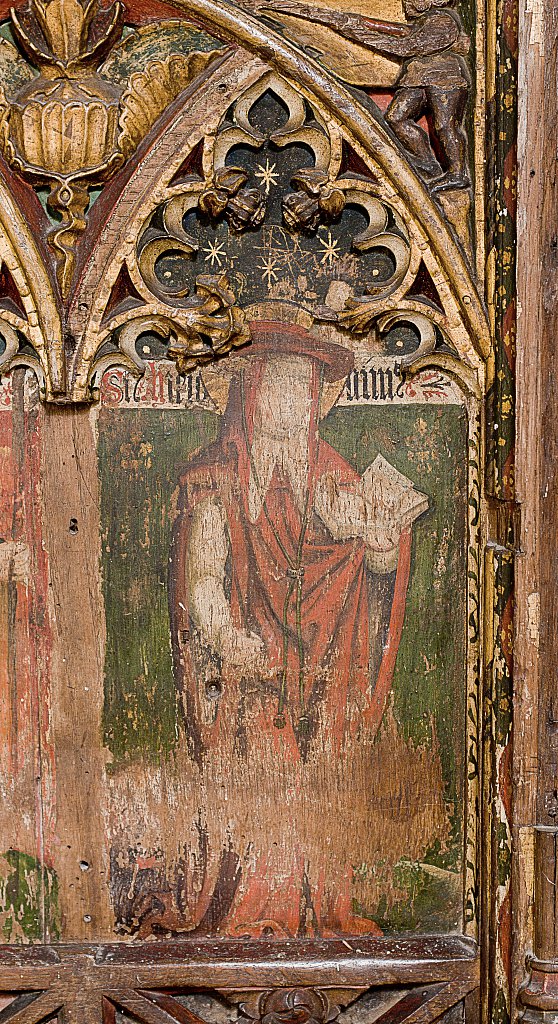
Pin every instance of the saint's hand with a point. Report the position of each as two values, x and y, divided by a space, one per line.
243 651
382 535
392 504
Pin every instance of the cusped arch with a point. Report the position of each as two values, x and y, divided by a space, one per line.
40 321
126 203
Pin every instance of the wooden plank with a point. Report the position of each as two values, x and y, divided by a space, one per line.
234 965
536 637
70 497
140 1007
40 1009
26 892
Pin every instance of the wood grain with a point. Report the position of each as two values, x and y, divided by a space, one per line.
536 642
70 503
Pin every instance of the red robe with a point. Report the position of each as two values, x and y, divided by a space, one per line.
278 573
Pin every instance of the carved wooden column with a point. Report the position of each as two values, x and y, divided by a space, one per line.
540 997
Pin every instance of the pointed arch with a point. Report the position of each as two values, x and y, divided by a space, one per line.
122 208
237 26
42 325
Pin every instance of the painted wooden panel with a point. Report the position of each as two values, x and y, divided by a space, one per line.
244 251
28 882
333 735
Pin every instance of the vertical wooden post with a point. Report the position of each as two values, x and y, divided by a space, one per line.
71 517
540 996
536 679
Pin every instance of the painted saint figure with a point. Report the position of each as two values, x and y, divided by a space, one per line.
434 79
288 577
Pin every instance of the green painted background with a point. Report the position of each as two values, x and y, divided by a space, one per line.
426 443
141 453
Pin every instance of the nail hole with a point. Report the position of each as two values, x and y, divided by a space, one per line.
87 918
73 527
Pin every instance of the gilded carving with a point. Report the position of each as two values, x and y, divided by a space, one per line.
434 78
225 194
316 201
70 127
79 95
207 325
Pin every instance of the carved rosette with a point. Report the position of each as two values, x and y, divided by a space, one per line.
296 1005
290 1006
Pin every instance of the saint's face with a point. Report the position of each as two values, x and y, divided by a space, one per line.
285 400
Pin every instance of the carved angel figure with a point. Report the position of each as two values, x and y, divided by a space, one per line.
434 78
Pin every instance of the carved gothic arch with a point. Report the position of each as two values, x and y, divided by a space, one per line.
38 320
174 134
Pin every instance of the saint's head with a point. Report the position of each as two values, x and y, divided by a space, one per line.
291 368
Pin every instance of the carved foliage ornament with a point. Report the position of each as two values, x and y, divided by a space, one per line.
70 127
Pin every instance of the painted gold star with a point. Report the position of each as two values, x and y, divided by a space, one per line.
267 175
330 249
268 267
215 253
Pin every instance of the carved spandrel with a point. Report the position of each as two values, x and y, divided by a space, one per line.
362 252
72 127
